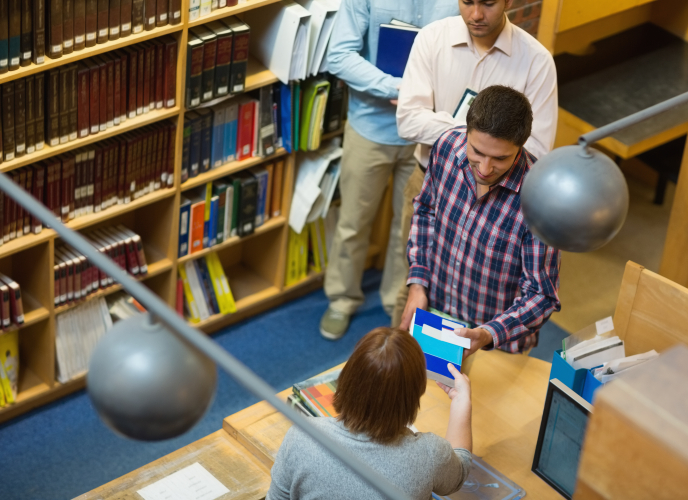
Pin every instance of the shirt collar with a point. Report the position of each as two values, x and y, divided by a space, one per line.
460 36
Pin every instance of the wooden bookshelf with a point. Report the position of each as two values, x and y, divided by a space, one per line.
254 265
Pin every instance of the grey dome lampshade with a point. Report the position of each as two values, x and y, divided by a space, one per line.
148 384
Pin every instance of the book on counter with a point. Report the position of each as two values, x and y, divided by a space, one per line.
316 394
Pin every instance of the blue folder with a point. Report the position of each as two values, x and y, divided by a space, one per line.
394 47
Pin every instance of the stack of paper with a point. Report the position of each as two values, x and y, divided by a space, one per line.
595 352
612 369
323 13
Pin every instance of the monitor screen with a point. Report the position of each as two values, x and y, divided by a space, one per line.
562 430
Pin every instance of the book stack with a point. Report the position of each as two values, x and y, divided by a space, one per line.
78 100
76 278
9 367
204 289
233 206
92 179
313 397
202 8
217 60
307 251
11 304
33 29
77 333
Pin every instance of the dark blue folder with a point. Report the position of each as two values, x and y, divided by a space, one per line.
394 47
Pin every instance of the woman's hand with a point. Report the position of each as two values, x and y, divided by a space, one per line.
462 386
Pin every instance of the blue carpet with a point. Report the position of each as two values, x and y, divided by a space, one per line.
62 450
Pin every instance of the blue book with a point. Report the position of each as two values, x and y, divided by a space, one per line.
184 216
394 47
206 285
217 154
231 130
285 115
212 223
439 343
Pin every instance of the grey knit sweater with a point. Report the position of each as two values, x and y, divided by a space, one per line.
417 463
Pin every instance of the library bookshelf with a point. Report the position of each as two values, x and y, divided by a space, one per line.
254 265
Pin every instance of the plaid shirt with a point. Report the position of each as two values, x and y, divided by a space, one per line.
476 257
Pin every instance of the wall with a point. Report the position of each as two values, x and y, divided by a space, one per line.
526 15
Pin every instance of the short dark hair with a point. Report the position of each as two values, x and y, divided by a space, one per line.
379 389
503 113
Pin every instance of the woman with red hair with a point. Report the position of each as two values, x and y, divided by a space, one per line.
378 397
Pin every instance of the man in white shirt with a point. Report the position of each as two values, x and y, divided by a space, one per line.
451 61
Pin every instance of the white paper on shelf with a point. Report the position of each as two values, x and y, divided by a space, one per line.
323 13
191 483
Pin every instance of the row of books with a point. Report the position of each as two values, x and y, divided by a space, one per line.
9 368
92 179
205 289
78 100
76 335
202 8
73 25
216 60
308 250
76 278
229 207
11 304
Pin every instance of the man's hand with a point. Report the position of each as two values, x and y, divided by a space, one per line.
417 298
479 339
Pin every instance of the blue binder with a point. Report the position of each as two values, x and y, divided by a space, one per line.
394 47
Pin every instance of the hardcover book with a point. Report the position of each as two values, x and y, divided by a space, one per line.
170 69
223 61
114 22
175 11
4 36
8 122
241 33
30 83
83 115
26 43
54 28
79 24
103 21
209 55
125 17
91 22
67 26
15 33
73 102
94 96
194 71
53 126
40 110
20 117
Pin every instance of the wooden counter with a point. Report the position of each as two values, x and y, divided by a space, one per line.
508 397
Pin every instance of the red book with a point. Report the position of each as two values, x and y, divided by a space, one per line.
170 70
159 74
73 102
83 115
245 127
132 68
6 211
129 182
29 189
56 280
102 93
78 182
140 71
121 170
19 214
98 179
110 92
148 75
90 177
64 190
117 93
123 73
160 132
94 96
38 193
171 143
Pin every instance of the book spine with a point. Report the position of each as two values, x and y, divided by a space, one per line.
137 16
8 121
245 130
15 34
54 28
133 79
64 105
175 11
30 114
114 21
91 22
148 69
248 206
171 153
206 141
123 101
122 171
117 92
159 75
83 125
40 111
73 103
110 100
125 17
98 179
162 9
67 26
103 95
38 193
103 21
94 98
223 65
79 24
149 15
4 36
194 75
208 79
276 202
140 74
237 79
170 78
20 117
26 43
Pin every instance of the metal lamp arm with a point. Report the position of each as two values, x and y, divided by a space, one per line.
600 133
155 306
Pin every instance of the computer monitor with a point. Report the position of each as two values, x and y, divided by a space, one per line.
560 440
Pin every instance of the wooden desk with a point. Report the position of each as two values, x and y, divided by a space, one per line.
508 397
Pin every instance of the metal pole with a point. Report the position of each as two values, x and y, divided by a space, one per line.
156 307
607 130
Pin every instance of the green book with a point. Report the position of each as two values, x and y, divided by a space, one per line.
309 116
220 190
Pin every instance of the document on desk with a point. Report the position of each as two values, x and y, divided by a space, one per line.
191 483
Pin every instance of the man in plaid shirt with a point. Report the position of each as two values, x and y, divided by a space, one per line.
470 252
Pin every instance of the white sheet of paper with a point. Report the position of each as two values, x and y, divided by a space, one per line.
191 483
604 325
446 336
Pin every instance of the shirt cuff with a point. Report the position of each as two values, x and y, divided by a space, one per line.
496 330
392 87
419 275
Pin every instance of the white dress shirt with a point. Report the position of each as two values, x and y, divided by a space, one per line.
444 62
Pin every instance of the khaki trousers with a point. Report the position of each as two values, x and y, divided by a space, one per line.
411 190
366 167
